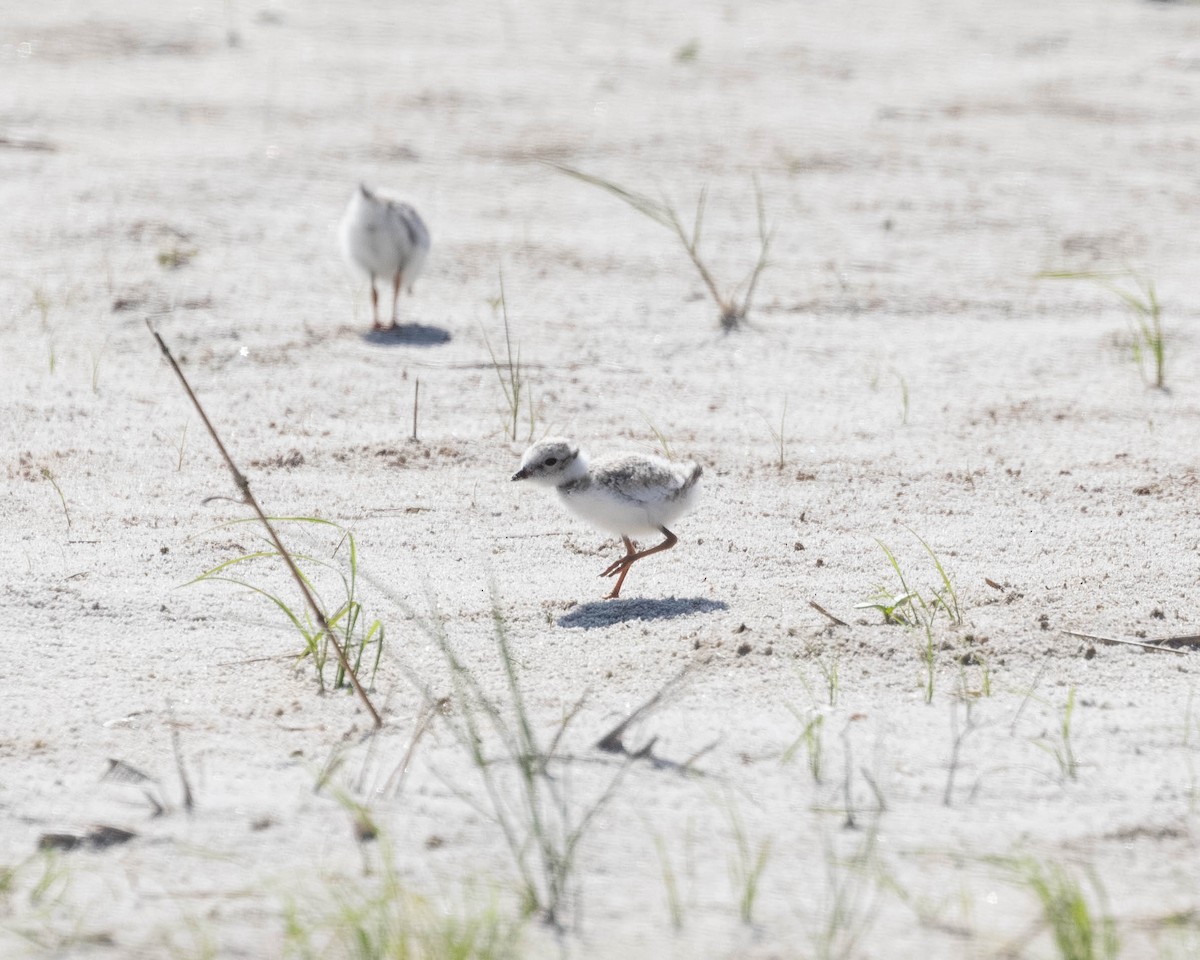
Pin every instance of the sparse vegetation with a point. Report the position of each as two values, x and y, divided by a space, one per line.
675 905
848 899
36 908
61 497
735 304
928 656
96 357
1059 746
915 609
361 637
974 670
176 256
496 812
663 442
511 375
812 740
42 302
379 918
779 436
416 408
829 667
1080 930
178 446
248 499
688 52
874 382
959 734
528 784
181 447
1140 296
747 863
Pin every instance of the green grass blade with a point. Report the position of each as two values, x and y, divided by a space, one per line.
288 611
657 212
210 574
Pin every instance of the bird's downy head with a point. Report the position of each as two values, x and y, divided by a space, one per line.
551 462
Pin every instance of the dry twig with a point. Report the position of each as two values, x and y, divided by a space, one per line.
825 613
1129 643
248 498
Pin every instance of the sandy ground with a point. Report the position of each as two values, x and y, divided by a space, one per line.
921 162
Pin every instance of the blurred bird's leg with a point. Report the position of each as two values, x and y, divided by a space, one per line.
397 280
375 306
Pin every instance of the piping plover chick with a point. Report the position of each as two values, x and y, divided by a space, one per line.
630 495
384 237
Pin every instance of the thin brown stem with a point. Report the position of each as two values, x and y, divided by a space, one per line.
248 498
764 239
825 613
416 400
690 247
395 783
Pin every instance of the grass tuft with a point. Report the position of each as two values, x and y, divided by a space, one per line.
511 375
779 437
46 474
734 304
688 52
381 919
1140 296
1079 929
96 357
1060 747
361 638
675 902
39 909
910 607
664 442
747 864
248 499
812 740
849 899
528 783
176 256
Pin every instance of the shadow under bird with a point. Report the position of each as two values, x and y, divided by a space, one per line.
387 239
629 496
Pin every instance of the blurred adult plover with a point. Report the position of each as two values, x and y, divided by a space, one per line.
629 495
385 238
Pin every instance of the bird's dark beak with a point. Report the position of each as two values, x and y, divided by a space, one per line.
521 474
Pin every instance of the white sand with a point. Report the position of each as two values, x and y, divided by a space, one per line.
921 164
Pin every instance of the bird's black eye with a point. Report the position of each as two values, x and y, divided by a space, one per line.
551 461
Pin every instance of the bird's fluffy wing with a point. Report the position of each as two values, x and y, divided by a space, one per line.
641 479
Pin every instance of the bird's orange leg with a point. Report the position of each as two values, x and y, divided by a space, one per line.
632 556
375 306
397 280
630 551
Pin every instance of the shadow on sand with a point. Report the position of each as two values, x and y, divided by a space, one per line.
606 613
409 335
